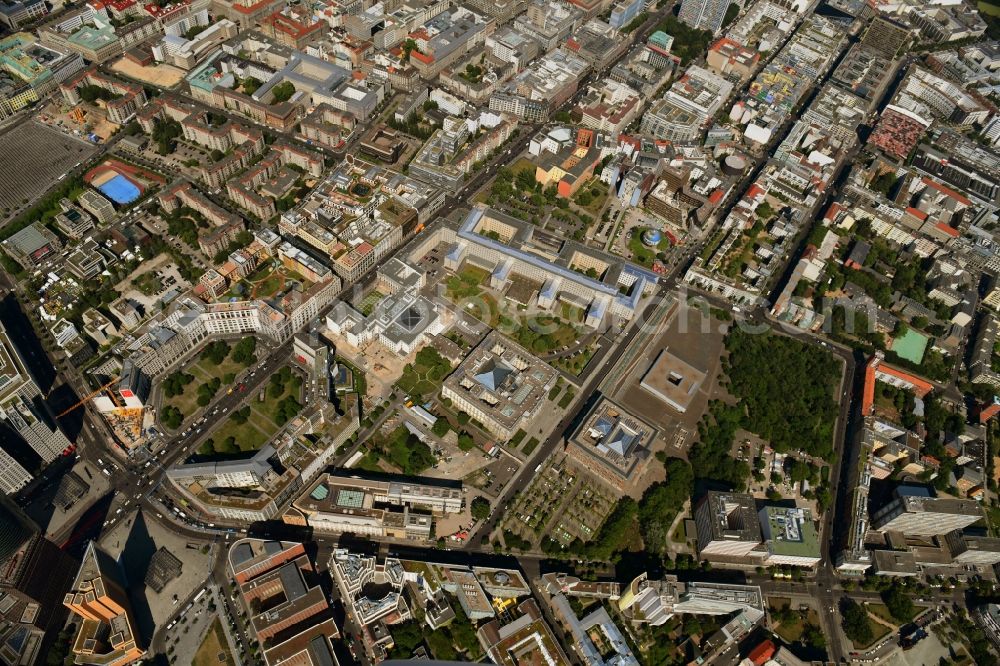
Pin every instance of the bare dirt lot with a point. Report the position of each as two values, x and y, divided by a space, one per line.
165 76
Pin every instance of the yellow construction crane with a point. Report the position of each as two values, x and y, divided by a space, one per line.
84 401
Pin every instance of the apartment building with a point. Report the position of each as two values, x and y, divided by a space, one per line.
692 100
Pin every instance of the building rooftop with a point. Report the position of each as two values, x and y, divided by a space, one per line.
612 438
790 531
503 377
673 380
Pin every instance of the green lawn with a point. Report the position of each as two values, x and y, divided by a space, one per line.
260 427
641 253
522 164
879 631
575 364
989 8
203 371
882 612
213 647
422 378
265 282
566 399
598 193
247 435
789 632
541 334
465 284
368 304
369 462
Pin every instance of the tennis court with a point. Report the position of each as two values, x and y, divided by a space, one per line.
120 189
911 346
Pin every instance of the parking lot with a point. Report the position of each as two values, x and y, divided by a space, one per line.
153 280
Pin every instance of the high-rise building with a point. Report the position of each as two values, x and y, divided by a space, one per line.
34 575
22 410
705 14
107 632
886 36
727 524
915 512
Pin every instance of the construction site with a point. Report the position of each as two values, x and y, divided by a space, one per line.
121 401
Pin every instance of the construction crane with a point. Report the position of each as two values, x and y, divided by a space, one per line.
87 399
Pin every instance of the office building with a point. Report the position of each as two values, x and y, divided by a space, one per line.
684 110
504 246
357 576
15 13
727 524
23 411
542 88
790 536
704 14
673 380
338 504
289 614
500 384
34 576
526 640
98 597
886 36
612 445
916 512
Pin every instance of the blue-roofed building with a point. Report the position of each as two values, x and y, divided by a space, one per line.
612 445
500 384
505 247
624 11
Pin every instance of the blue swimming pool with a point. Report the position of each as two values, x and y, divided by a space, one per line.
121 190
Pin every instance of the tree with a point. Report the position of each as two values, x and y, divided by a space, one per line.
171 417
813 637
287 409
165 134
244 352
855 622
282 92
731 13
216 352
661 502
405 637
251 84
91 93
174 384
441 427
466 441
765 212
194 31
242 415
884 183
480 508
899 604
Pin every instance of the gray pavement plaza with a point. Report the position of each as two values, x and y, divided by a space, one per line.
32 159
